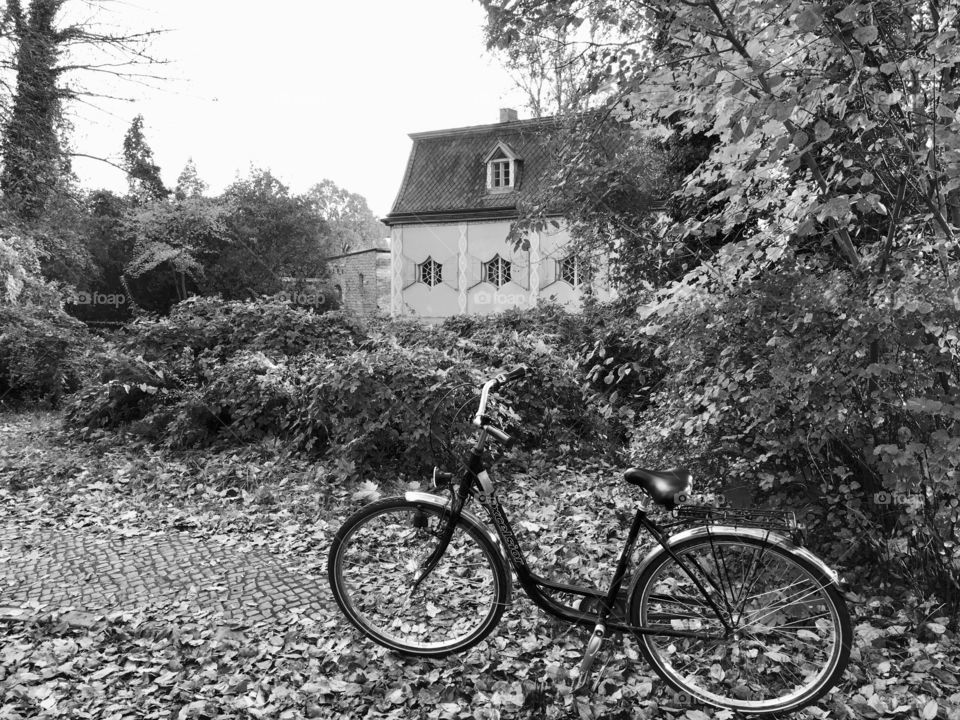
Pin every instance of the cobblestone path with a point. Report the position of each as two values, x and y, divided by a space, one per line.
95 571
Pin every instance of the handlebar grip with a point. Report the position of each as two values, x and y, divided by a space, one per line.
515 374
500 435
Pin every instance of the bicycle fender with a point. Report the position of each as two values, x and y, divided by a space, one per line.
468 517
778 539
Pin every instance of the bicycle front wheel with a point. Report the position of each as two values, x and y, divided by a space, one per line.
376 559
790 633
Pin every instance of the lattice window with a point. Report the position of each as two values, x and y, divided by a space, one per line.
497 271
572 270
430 272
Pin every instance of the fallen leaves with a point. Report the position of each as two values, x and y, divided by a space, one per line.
175 660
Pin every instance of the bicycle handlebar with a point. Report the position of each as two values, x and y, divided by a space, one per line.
488 387
518 372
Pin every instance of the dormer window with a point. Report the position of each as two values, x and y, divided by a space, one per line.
500 175
501 169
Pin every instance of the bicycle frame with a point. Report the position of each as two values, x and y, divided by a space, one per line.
476 482
720 582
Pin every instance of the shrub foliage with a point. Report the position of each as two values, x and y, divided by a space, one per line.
221 372
798 384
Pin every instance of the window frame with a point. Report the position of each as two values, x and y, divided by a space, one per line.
503 272
581 272
428 270
501 164
500 168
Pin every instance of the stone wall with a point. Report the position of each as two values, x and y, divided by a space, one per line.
361 280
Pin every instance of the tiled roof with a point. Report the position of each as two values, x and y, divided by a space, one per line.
446 172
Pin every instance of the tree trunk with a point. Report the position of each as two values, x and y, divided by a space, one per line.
31 148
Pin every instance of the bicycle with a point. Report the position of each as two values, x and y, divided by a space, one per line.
730 610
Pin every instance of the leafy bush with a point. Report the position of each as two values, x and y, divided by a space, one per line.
548 320
249 398
621 367
551 411
371 409
126 390
183 377
238 372
807 375
21 282
43 351
44 354
217 329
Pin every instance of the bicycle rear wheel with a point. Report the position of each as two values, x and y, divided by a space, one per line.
791 634
376 558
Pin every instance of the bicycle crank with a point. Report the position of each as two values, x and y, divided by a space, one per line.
589 655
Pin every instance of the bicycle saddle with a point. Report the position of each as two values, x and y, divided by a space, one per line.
663 486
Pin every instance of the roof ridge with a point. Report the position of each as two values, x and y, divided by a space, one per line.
469 129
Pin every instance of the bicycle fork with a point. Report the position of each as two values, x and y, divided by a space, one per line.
446 535
458 499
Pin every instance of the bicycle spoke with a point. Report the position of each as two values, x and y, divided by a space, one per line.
775 581
721 570
751 578
775 654
381 561
789 603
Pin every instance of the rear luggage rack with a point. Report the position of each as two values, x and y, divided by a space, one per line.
781 520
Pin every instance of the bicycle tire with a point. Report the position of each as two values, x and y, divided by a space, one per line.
735 667
375 558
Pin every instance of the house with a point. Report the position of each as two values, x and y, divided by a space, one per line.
449 224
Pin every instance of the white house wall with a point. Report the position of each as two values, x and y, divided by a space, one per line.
461 249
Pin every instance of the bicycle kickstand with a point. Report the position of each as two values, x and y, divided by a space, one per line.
589 655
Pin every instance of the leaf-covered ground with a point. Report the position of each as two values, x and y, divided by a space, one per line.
177 658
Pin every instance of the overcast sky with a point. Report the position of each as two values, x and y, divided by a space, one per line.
311 90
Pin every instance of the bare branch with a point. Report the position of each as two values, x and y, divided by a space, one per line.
99 159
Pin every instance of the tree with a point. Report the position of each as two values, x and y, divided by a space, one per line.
143 174
104 228
49 62
270 234
607 180
32 153
352 224
808 343
808 102
175 238
559 69
189 184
